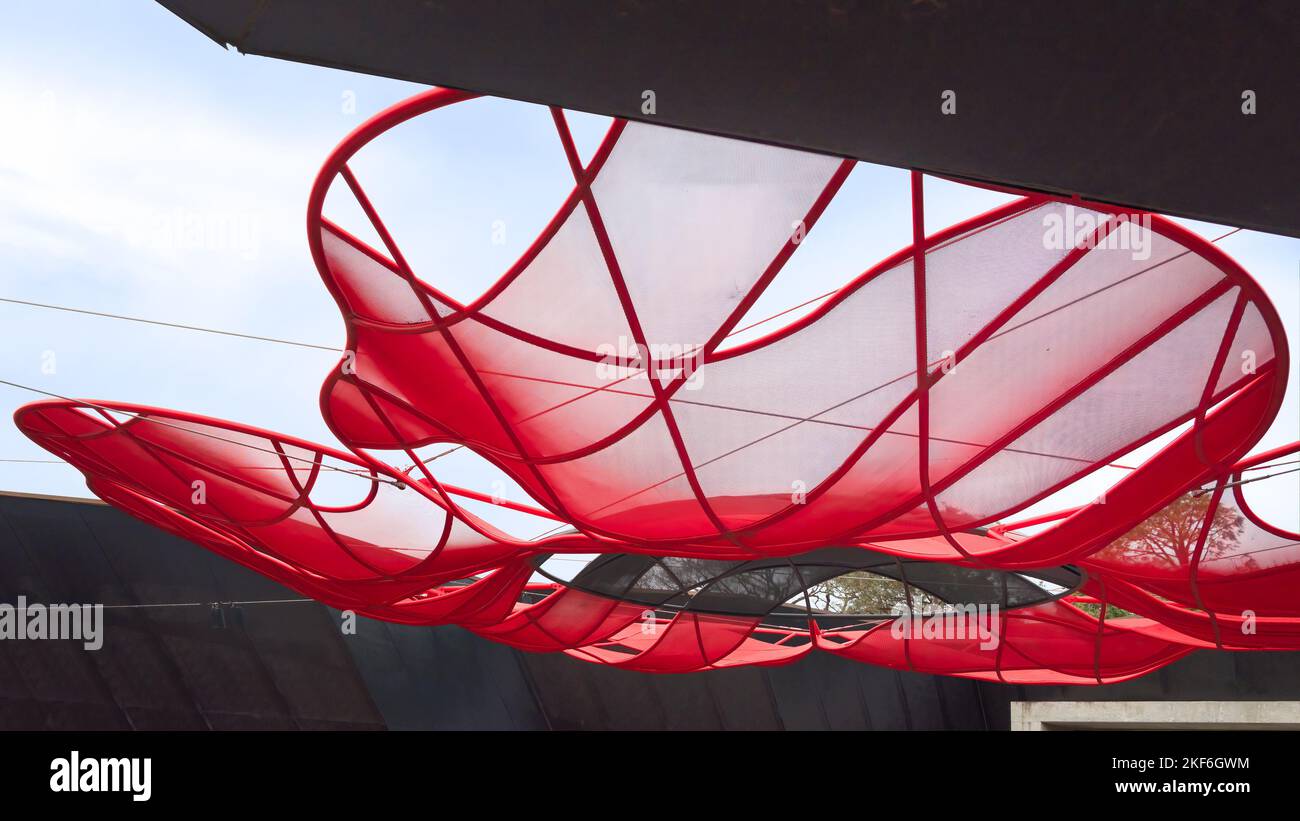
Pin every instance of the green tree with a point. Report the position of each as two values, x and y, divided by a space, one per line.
1167 539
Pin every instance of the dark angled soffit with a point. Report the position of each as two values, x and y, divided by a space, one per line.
1138 104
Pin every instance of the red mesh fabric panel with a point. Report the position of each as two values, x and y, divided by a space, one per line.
248 495
1047 644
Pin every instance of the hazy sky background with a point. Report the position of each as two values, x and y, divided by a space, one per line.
146 171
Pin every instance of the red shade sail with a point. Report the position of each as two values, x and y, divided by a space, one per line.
854 456
1038 360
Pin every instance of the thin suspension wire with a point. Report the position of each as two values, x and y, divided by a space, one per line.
205 603
555 529
433 458
1240 482
160 323
832 292
783 313
279 341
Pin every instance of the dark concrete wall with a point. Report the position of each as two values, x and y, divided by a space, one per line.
819 692
289 665
162 667
443 678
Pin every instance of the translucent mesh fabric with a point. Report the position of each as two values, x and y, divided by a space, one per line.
1045 644
256 490
1233 583
571 261
593 370
695 220
1132 403
823 487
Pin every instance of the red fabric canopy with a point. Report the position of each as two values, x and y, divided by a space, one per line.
951 385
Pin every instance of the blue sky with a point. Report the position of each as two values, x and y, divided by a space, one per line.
146 171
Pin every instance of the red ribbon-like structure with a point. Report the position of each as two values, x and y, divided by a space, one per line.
836 485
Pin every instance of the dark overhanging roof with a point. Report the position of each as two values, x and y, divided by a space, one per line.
1138 104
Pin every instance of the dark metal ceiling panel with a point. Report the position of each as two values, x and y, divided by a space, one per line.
1133 103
